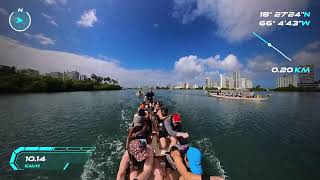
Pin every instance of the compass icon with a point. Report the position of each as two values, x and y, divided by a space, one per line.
20 20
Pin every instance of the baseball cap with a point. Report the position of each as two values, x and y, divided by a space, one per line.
138 150
141 112
176 118
194 158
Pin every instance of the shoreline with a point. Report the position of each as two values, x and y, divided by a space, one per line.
53 92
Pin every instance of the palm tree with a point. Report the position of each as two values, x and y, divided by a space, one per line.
105 80
99 79
108 79
93 76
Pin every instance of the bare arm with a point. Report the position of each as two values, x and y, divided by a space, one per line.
183 170
128 138
171 132
123 166
161 116
147 165
181 167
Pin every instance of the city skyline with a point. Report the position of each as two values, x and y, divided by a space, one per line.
301 80
236 81
170 40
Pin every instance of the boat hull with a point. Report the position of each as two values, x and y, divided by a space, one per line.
239 98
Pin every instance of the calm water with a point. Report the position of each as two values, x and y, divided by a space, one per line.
274 139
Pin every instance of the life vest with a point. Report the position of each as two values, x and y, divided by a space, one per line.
163 130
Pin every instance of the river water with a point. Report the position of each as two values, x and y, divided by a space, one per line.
274 139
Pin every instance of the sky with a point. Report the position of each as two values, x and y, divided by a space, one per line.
158 42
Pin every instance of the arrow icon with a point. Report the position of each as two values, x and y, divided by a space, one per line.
19 20
270 45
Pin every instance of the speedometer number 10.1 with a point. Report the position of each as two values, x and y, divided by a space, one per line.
35 158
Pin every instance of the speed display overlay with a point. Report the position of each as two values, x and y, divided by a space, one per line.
48 158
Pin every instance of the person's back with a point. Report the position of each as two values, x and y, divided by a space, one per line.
139 157
149 96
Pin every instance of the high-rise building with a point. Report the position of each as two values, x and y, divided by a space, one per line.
74 75
286 81
229 83
234 82
188 86
56 75
249 84
180 86
307 79
208 82
83 77
214 84
243 83
222 81
237 80
195 86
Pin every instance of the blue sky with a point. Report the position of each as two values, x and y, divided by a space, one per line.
173 40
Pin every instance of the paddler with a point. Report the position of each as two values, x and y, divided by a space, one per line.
139 127
171 128
149 97
189 166
139 157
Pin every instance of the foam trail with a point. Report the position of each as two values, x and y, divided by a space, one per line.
207 149
103 163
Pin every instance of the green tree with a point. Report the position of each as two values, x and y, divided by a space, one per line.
93 76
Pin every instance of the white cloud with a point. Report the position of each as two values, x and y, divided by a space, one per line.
261 64
49 19
229 63
54 2
103 57
236 20
4 12
53 23
189 66
88 18
40 38
313 46
15 54
186 69
309 55
155 25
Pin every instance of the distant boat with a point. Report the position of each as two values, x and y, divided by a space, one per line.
240 98
140 93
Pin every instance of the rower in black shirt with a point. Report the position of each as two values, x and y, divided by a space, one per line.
149 96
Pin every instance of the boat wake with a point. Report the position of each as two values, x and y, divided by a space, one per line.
103 163
215 167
